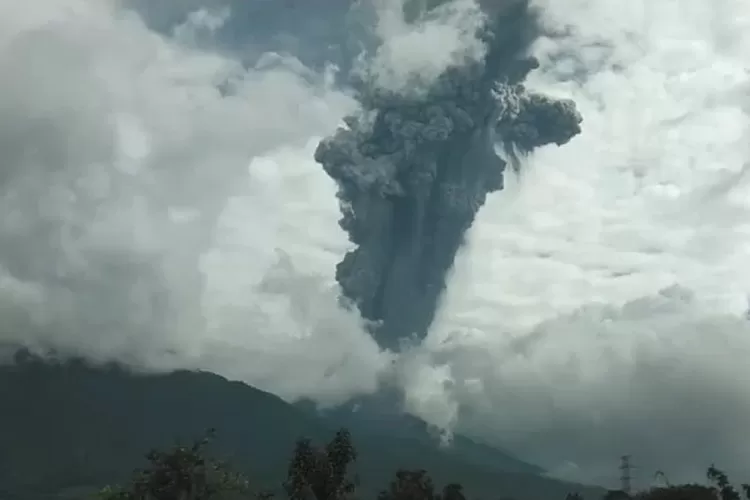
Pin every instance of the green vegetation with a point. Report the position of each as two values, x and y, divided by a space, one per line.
183 472
324 473
69 428
314 473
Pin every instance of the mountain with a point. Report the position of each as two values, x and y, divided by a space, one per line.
73 427
377 416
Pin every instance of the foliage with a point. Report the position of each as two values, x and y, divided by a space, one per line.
679 492
322 473
725 489
410 485
721 489
417 485
182 473
616 495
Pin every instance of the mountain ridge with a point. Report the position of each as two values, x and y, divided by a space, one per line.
69 425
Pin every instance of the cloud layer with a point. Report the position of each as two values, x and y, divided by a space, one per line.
133 166
565 336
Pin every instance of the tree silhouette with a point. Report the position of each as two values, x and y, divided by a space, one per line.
722 489
322 473
410 485
453 491
679 492
182 473
616 495
726 490
417 485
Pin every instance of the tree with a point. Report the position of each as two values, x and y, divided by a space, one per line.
679 492
322 473
410 485
616 495
722 489
182 473
417 485
725 489
453 491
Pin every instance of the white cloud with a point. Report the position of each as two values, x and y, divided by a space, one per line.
201 24
554 308
120 154
413 53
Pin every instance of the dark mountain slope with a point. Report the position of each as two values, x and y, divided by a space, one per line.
68 426
372 417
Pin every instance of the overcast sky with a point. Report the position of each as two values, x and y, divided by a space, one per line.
159 205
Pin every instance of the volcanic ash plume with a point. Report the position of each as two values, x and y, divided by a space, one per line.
413 169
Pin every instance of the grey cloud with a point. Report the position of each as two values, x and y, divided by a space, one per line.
414 169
